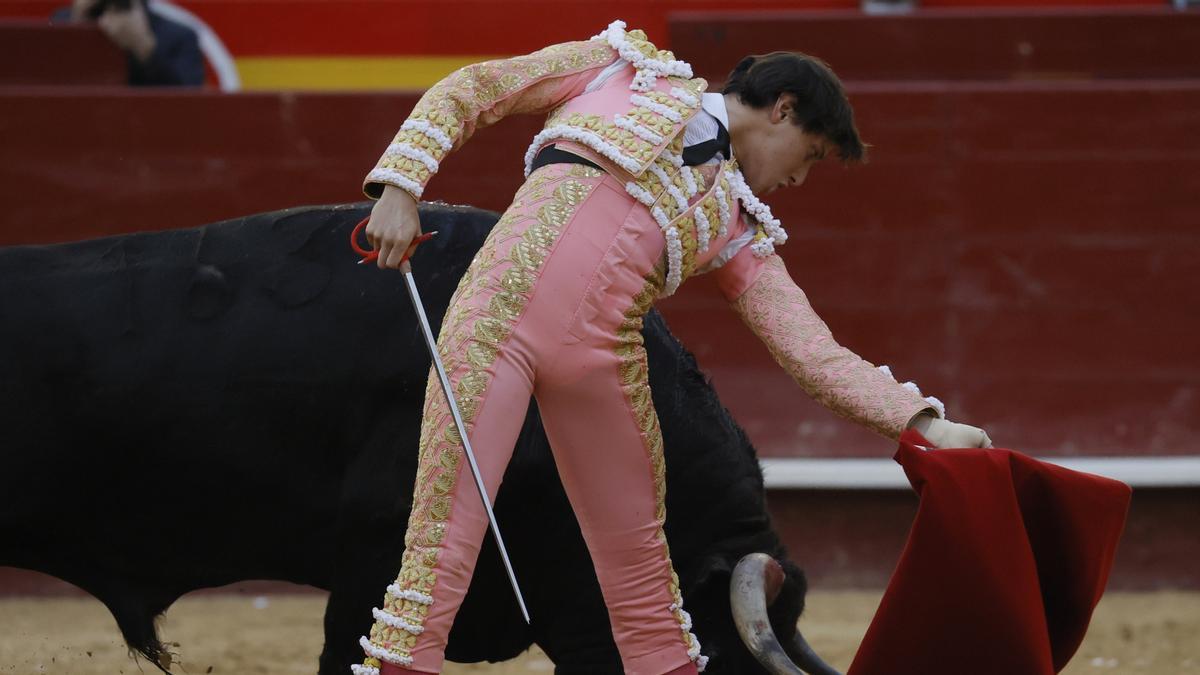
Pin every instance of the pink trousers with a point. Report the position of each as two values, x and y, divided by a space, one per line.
551 307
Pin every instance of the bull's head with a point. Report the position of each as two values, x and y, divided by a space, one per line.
746 618
756 584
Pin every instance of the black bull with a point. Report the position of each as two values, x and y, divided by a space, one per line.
192 408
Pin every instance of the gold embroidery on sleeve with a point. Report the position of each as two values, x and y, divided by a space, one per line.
778 312
450 111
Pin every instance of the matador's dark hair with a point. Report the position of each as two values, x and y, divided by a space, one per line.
821 104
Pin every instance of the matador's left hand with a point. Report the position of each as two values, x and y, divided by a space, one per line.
947 434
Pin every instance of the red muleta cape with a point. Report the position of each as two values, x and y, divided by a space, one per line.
1005 562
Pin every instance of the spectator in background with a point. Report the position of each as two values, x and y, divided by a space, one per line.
160 52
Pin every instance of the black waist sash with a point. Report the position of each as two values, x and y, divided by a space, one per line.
552 155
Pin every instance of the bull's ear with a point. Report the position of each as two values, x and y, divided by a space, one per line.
794 575
789 604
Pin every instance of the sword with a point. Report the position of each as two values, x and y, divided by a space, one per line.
431 345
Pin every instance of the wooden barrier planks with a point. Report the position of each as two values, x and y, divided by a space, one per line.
953 43
33 52
1024 251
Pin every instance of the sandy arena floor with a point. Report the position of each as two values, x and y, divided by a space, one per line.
1155 633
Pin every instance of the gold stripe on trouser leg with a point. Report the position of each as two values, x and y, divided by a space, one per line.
635 384
470 338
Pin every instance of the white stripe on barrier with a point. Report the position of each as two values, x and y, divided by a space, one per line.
885 474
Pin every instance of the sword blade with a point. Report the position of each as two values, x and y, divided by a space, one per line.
431 344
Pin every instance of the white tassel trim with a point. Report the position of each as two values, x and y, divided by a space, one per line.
409 594
687 621
588 138
396 622
648 69
425 127
703 230
639 193
761 212
665 111
722 209
680 200
686 625
660 216
763 247
685 97
672 190
637 129
393 177
689 179
937 405
674 159
412 152
933 401
643 81
383 654
357 669
674 259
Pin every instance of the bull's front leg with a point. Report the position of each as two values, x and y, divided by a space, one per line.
355 590
373 510
570 620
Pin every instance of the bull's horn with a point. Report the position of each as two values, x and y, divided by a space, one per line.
808 660
755 584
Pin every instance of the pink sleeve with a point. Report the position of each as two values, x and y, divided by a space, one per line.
477 96
778 312
738 273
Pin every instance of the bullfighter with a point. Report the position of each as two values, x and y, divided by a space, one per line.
640 179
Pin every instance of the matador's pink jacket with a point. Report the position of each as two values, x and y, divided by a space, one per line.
631 122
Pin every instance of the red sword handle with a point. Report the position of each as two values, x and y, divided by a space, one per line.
370 255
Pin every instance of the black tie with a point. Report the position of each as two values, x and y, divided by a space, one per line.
701 152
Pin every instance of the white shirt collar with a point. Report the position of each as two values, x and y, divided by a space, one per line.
714 104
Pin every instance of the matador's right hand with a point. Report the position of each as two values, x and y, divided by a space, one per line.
393 225
946 434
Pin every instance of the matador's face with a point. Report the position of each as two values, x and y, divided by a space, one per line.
774 152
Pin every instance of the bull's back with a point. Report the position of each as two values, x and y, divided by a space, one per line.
149 376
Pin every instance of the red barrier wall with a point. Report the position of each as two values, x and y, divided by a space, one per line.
366 27
373 27
35 53
953 43
1025 252
391 44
